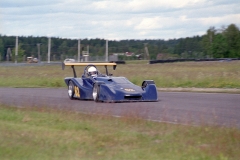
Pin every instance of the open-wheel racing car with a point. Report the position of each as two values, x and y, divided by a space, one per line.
93 85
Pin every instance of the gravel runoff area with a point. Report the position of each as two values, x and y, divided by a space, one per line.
206 90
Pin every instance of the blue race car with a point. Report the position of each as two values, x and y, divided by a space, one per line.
93 85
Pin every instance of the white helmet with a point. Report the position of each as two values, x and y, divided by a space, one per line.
92 71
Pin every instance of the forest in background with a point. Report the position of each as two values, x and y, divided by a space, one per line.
215 43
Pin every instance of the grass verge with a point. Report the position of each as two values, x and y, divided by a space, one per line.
169 75
42 133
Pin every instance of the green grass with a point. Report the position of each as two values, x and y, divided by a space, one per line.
32 76
182 74
189 74
41 133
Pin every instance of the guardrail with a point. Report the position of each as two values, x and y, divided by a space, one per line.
119 62
189 60
42 63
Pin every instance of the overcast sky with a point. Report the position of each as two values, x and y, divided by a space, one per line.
116 19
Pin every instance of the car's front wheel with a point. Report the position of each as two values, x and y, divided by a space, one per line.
95 93
71 90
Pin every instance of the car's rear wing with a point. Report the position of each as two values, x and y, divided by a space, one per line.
72 64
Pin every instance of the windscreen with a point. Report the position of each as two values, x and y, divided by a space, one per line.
120 80
117 80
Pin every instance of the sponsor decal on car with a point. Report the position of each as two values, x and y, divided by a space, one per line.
77 92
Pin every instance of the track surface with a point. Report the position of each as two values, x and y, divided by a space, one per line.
174 107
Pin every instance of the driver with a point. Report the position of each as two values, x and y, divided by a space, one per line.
92 71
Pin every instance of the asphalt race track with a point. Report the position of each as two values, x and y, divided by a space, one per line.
172 107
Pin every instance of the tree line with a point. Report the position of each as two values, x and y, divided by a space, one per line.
215 43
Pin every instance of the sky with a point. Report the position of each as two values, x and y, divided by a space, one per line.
116 19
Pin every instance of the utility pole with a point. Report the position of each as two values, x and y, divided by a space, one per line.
88 49
49 49
106 58
146 51
9 54
79 50
39 57
16 50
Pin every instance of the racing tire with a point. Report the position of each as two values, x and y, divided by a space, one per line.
96 91
71 91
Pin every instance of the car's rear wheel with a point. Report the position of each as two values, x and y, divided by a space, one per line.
96 91
71 90
147 82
